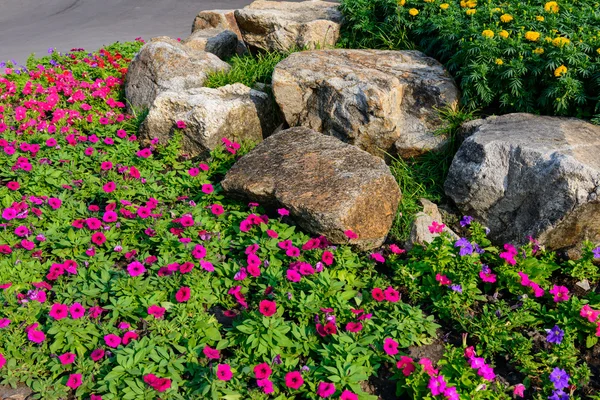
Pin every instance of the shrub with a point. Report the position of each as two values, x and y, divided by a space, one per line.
532 56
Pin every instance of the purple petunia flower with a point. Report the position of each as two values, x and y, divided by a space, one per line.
555 335
559 378
466 220
456 288
558 395
596 252
465 246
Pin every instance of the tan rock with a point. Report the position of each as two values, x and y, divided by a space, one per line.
220 42
282 26
164 64
328 186
381 101
235 112
222 20
420 234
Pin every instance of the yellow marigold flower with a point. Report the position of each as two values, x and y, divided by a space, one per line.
539 50
471 3
463 3
548 39
401 2
598 50
551 7
560 41
560 71
496 9
488 33
428 1
471 12
503 33
532 36
539 18
413 12
506 18
499 61
444 6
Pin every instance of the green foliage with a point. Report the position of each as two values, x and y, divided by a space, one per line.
247 69
515 56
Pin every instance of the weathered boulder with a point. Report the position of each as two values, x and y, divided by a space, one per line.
235 112
328 186
220 42
524 175
282 26
164 64
223 20
420 233
381 101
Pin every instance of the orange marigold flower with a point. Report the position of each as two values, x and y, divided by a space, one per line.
532 36
560 71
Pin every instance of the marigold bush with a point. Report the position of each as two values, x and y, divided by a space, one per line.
126 274
531 56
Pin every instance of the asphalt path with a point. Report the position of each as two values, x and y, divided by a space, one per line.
34 26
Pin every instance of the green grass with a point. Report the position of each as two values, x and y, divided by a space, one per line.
248 70
424 177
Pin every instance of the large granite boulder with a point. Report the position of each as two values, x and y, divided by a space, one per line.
524 175
235 112
282 25
221 20
222 43
328 186
164 64
381 101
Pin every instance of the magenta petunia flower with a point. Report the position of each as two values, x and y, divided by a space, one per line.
112 340
13 185
224 372
36 336
181 124
109 187
136 268
406 364
325 389
561 293
377 294
59 311
354 326
589 313
77 311
156 311
437 385
519 390
74 381
262 371
294 380
199 251
183 294
2 360
98 238
348 395
267 308
266 385
4 322
350 234
211 353
97 354
129 336
391 295
390 346
436 227
67 358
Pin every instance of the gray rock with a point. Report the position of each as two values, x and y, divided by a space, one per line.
381 101
420 234
222 20
328 186
282 26
21 392
164 64
235 112
524 175
222 43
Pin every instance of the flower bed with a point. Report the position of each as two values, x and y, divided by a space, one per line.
126 274
532 56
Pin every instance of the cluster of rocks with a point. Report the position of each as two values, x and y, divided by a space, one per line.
348 112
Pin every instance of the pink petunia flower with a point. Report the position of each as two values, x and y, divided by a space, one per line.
136 268
294 380
74 381
224 372
267 308
77 311
325 389
112 340
97 354
350 234
561 293
59 311
390 346
156 311
262 371
67 358
348 395
183 294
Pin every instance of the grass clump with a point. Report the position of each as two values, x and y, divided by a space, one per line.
247 69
